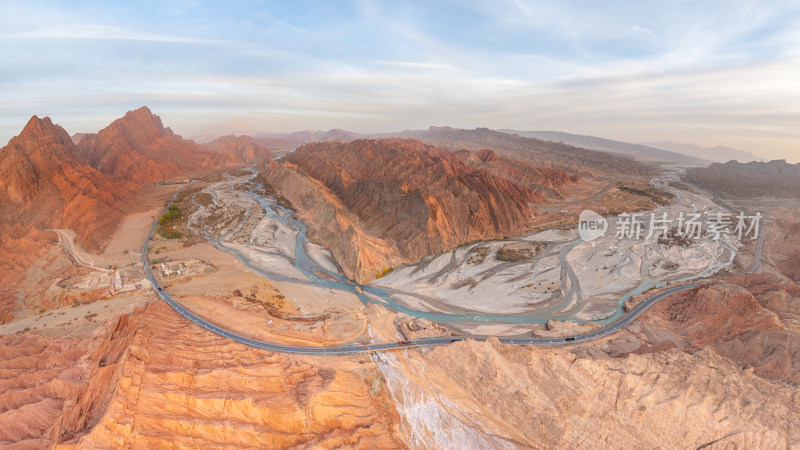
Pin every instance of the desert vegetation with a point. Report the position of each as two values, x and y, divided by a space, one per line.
168 221
657 196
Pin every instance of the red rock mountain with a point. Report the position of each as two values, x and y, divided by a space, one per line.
138 147
381 202
49 180
44 183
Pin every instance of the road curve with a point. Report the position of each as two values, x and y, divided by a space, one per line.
425 342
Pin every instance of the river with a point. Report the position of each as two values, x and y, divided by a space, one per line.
368 293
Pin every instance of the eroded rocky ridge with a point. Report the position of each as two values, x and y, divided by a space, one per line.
751 319
378 203
56 388
152 379
489 395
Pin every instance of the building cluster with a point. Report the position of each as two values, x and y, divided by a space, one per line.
167 271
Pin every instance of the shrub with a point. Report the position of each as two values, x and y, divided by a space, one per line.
384 272
167 222
514 255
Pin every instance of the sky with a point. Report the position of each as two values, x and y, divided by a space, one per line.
703 72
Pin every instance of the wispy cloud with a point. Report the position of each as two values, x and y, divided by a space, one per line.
415 65
102 33
717 72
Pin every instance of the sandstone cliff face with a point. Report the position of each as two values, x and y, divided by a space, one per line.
44 183
181 385
419 198
775 293
138 147
330 222
56 388
152 379
719 311
20 246
39 376
490 395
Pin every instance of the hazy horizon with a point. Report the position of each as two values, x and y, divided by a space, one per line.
711 73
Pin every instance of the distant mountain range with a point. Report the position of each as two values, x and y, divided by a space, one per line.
718 154
689 155
298 138
774 179
539 152
638 151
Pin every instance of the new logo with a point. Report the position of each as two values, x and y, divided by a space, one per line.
591 225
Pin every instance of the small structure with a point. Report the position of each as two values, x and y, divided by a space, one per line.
165 270
116 280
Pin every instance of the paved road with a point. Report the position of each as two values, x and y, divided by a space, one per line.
426 342
760 250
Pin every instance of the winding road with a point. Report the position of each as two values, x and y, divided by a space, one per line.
425 342
66 239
